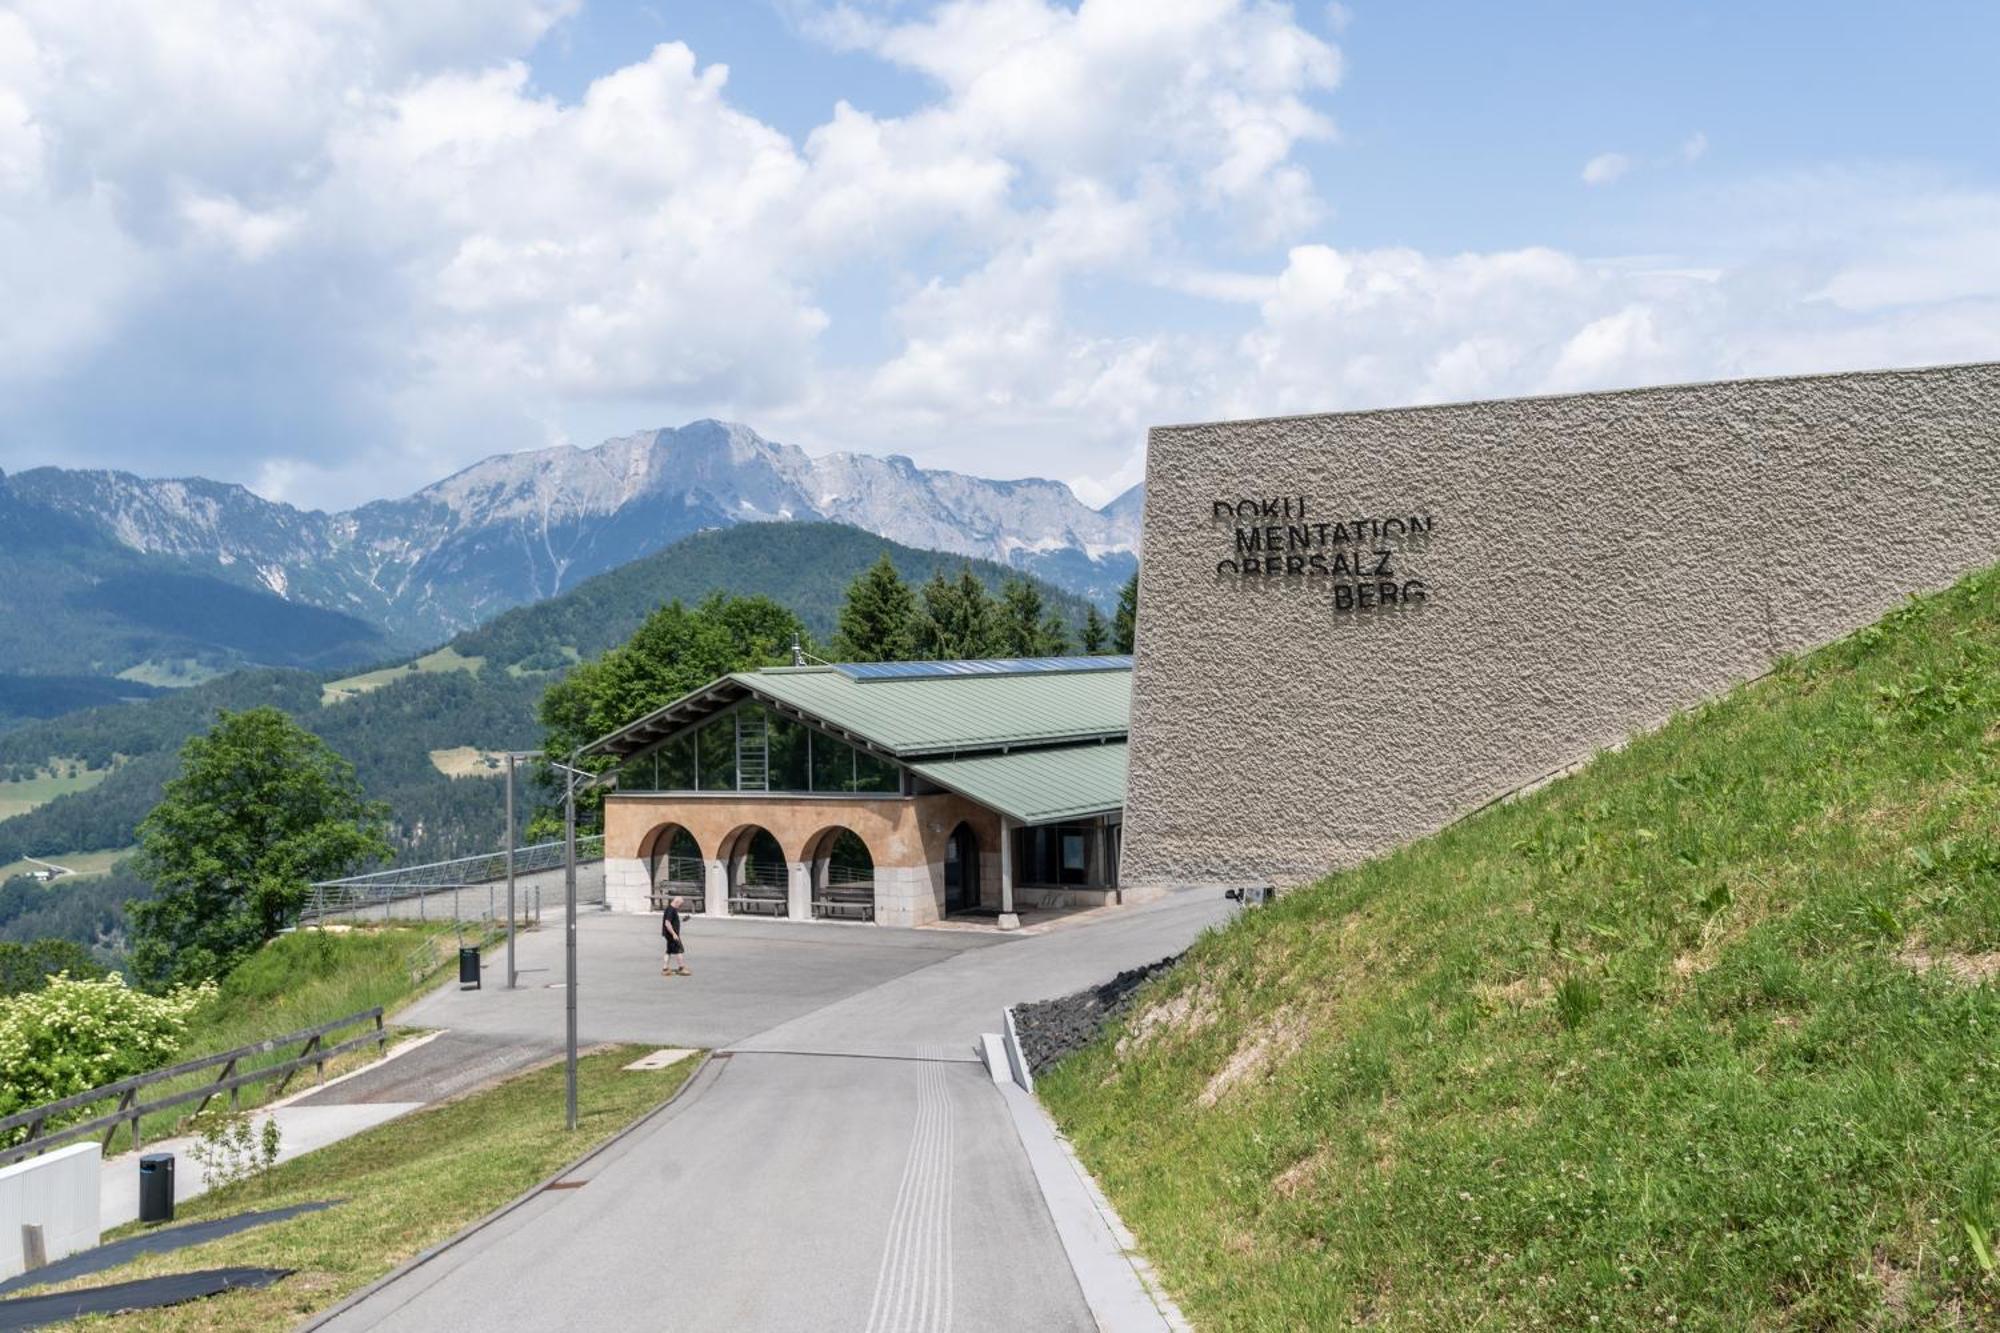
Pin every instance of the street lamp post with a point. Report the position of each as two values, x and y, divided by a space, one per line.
514 757
574 780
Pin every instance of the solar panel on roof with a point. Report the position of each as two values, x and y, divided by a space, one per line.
991 666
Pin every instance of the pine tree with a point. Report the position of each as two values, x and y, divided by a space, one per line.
1021 619
957 619
1095 632
1125 622
878 619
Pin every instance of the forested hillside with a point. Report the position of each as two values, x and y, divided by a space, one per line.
484 696
804 566
77 610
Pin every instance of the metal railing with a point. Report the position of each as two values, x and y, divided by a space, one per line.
130 1109
847 892
761 888
415 886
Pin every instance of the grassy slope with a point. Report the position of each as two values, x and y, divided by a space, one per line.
61 779
407 1185
299 981
1709 1030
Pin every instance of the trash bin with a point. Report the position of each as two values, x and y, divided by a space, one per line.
468 968
156 1187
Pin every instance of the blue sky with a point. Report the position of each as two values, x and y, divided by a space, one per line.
337 255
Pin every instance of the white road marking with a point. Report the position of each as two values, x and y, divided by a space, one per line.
913 1286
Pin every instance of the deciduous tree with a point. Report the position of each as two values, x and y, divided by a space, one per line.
261 809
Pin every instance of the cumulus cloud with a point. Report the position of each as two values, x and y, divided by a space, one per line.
340 248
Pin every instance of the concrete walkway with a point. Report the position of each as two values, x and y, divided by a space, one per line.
844 1162
307 1120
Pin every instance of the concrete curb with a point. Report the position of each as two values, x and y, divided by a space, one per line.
1117 1283
1017 1059
451 1242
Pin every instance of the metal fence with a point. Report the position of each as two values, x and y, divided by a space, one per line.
469 888
46 1125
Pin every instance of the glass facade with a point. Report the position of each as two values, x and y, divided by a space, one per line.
751 748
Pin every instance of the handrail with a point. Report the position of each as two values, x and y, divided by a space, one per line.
130 1109
380 888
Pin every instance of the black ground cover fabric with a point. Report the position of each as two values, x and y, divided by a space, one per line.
85 1262
145 1294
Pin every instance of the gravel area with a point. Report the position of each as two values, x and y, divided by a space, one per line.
1051 1029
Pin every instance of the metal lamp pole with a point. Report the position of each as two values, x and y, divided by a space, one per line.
514 757
574 781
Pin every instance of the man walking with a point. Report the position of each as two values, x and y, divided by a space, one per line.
670 930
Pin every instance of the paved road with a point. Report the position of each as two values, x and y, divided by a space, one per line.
844 1164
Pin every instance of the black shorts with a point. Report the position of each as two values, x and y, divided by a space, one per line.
675 946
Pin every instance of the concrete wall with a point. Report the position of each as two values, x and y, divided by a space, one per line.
58 1192
905 836
1592 564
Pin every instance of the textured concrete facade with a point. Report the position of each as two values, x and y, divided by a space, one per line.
1560 574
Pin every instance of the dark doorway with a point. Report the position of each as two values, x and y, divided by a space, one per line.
961 870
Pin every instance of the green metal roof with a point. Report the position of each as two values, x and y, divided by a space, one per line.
947 714
1038 786
909 719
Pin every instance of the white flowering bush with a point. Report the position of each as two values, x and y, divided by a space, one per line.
73 1035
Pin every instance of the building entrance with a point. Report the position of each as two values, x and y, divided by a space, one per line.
961 870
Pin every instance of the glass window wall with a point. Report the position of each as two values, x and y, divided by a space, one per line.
725 752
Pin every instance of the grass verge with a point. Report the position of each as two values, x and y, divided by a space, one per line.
1705 1036
408 1184
299 981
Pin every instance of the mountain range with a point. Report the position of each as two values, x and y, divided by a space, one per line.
519 528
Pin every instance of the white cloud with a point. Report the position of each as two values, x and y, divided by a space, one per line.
428 258
1694 147
1605 168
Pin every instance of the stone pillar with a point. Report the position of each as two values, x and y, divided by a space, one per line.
715 889
1008 919
628 885
798 890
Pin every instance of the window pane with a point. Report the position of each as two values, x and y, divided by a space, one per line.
832 765
717 743
789 767
677 763
1074 854
872 774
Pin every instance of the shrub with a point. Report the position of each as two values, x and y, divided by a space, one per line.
74 1035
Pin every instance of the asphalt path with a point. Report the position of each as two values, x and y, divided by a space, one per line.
844 1162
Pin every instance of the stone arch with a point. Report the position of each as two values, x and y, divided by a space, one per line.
841 866
675 867
758 872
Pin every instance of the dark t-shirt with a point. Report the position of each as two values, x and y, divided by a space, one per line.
670 926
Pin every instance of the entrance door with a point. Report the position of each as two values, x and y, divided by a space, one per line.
961 871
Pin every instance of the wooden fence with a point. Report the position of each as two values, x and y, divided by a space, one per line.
314 1051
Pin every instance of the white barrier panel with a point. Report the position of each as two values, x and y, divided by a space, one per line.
56 1192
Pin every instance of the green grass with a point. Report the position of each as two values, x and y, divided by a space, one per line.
171 673
444 659
83 865
1706 1035
408 1185
64 777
